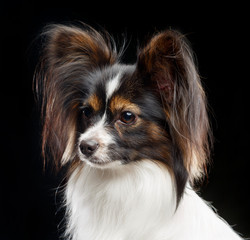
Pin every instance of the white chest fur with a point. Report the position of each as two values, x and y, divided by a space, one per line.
137 202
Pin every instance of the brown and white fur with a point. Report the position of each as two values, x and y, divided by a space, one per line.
136 137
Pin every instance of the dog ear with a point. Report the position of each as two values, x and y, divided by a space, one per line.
167 67
67 44
162 62
69 54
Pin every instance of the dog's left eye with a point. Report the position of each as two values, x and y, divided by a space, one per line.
127 117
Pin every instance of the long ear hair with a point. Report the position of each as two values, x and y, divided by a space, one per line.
166 63
69 54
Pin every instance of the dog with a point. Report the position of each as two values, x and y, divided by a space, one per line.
135 138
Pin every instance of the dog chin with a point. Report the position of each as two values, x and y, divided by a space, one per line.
101 163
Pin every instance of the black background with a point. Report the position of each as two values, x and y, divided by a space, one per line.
29 208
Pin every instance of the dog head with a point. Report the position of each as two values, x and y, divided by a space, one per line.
107 114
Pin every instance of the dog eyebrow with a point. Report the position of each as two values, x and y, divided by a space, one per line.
119 103
95 102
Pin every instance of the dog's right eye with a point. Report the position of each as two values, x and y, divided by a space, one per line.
87 112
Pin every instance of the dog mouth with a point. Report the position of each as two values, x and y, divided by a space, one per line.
98 162
95 160
102 158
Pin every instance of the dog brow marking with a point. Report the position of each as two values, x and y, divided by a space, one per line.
112 85
119 103
95 102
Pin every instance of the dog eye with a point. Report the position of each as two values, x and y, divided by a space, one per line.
87 112
127 117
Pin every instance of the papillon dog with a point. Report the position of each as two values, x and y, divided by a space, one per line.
135 138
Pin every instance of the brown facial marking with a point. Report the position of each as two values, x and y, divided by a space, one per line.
95 102
119 103
155 132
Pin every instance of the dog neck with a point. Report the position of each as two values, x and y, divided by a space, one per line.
125 200
137 201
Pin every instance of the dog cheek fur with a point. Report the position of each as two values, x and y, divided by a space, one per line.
148 140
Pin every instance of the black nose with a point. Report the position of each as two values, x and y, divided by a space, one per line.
88 147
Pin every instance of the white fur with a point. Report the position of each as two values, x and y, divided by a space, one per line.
102 136
137 202
112 85
99 132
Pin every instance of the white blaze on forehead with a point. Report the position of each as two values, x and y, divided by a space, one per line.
113 85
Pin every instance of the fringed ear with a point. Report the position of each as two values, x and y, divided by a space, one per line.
69 44
70 53
166 65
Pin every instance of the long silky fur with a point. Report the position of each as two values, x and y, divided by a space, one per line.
68 51
182 96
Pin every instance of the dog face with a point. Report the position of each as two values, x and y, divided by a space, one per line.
106 114
121 120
